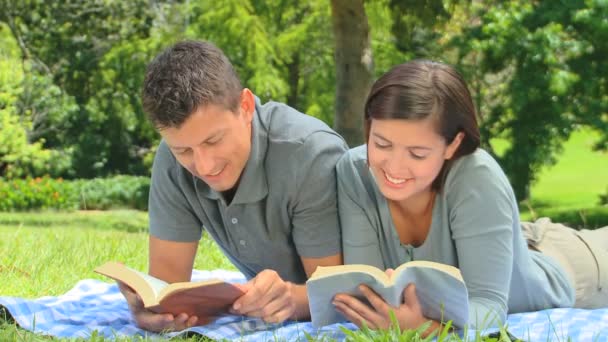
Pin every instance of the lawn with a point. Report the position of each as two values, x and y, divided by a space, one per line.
578 178
569 190
47 253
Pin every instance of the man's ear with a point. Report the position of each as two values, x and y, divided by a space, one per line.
247 105
453 146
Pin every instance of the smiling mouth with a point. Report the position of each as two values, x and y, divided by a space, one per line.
217 173
395 181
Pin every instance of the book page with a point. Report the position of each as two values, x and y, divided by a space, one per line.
156 284
326 271
449 269
442 295
440 289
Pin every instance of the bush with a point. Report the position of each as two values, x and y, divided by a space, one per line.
113 193
35 193
128 192
589 218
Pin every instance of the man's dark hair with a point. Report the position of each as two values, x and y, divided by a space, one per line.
185 77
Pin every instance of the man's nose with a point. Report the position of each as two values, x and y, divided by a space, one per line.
202 162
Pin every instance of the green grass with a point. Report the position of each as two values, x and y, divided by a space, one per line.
47 253
578 178
569 191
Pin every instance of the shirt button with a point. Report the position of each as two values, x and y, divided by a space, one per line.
242 242
234 220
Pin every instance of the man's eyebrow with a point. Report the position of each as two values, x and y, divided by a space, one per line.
215 135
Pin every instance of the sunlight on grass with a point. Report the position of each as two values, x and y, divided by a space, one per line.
578 178
43 254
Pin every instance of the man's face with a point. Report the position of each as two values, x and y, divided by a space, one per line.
214 143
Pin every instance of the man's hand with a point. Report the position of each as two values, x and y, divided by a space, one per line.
152 321
269 297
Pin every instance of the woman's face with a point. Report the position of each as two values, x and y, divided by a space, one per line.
406 156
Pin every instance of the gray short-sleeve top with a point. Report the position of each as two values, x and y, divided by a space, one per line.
475 227
284 207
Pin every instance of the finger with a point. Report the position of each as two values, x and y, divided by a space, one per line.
389 272
265 287
192 321
275 307
376 301
154 322
351 314
362 310
243 287
180 322
279 316
410 298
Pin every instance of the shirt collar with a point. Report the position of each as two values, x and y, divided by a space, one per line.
253 185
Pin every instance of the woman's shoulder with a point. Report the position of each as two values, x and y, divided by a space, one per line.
475 163
478 168
353 173
352 161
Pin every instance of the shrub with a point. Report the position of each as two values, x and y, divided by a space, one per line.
36 193
128 192
589 218
113 193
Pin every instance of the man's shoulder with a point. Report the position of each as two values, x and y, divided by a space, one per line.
284 124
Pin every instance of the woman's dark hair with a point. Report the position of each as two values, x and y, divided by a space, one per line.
423 89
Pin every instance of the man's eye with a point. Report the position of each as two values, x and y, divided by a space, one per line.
213 142
181 152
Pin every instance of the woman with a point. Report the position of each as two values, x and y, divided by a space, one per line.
422 189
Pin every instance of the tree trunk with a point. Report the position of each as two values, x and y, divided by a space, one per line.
354 65
293 70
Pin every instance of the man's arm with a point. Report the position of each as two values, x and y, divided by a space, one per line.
171 261
302 310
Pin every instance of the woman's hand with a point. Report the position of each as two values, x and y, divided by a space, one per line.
377 316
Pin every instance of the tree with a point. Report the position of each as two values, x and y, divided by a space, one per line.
67 42
354 67
548 59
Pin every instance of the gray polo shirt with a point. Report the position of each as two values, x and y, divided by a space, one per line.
475 227
284 207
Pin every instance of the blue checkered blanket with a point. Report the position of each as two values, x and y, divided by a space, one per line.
96 306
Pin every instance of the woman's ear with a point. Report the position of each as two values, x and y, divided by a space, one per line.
453 146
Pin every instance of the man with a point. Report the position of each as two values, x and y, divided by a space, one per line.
258 178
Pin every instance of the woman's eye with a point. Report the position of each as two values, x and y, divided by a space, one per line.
417 156
382 146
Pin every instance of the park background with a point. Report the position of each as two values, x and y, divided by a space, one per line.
76 148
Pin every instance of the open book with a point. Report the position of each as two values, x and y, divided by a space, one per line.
440 289
205 299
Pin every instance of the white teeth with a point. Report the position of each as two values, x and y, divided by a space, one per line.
394 180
